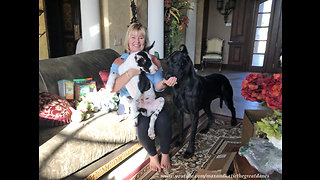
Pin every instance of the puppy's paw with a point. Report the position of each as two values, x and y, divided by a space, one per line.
151 133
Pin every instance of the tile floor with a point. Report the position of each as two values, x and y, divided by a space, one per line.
240 104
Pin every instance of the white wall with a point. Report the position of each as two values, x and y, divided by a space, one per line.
156 25
90 24
217 28
191 31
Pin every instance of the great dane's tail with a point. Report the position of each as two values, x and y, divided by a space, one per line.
221 100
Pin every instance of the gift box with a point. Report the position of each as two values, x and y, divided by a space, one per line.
66 89
84 86
217 168
250 126
81 90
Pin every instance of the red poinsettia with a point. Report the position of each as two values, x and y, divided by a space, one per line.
252 86
260 87
272 92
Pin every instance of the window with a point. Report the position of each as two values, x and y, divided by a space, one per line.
261 36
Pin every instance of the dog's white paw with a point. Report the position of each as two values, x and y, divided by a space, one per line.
151 133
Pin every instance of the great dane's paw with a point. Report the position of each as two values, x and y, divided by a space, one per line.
188 154
178 144
233 122
204 131
151 133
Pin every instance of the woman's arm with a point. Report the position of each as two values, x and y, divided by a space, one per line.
124 79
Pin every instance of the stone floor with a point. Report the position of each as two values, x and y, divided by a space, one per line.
236 78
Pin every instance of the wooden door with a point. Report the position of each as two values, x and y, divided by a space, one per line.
71 24
240 30
266 39
244 43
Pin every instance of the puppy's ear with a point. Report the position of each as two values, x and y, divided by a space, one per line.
147 49
183 48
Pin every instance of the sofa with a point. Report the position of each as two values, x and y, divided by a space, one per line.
68 148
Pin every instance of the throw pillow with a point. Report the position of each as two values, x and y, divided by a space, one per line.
104 75
53 110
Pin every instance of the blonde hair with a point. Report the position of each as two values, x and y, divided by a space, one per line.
136 27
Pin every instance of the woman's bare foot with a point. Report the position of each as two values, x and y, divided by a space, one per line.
154 163
165 161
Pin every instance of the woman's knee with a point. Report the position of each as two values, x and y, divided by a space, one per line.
142 127
163 120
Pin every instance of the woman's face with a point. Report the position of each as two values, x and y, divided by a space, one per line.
136 41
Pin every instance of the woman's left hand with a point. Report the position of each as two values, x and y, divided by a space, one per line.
171 81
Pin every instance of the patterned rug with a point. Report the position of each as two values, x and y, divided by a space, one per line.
221 138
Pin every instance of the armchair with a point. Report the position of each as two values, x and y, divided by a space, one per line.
214 52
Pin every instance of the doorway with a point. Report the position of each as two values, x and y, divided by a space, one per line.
266 37
64 26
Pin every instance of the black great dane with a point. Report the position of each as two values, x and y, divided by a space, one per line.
193 93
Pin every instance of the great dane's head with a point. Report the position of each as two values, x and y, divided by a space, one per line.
179 63
144 62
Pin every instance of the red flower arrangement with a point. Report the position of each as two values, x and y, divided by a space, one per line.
260 87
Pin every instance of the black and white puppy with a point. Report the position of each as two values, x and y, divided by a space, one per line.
193 93
140 88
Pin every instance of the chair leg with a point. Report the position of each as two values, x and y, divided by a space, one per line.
220 66
202 65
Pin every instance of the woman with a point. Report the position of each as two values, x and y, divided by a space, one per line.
136 39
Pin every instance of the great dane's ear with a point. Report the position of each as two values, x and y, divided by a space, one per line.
184 48
148 48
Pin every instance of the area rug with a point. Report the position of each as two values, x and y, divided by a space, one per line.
221 138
